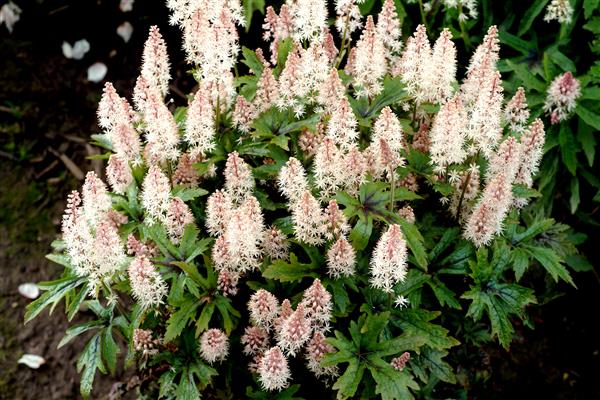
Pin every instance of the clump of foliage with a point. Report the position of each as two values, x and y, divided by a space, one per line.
306 228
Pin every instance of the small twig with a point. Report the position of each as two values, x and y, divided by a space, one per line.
71 166
47 169
8 155
178 92
59 9
73 138
462 195
96 163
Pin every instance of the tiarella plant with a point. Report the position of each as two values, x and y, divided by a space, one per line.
307 228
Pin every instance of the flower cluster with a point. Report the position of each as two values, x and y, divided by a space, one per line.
320 174
562 96
293 331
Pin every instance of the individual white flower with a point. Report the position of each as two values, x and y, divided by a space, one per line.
401 302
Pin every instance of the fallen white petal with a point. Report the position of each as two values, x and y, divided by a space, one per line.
29 290
80 48
31 360
126 5
125 30
67 50
10 14
77 51
96 72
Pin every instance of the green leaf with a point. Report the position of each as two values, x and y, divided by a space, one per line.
391 384
286 394
89 360
249 7
568 148
347 384
579 263
590 93
408 341
187 194
520 261
416 324
445 296
75 302
283 50
56 290
415 242
77 330
166 384
515 42
109 350
226 310
593 25
341 300
589 117
192 271
102 140
393 92
560 59
585 136
536 227
180 318
527 77
361 233
289 272
574 200
432 360
372 328
589 6
500 301
187 390
551 262
252 61
204 319
449 236
524 192
530 15
281 141
501 326
60 259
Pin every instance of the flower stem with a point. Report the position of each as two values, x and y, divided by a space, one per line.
422 10
393 188
343 46
463 29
